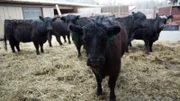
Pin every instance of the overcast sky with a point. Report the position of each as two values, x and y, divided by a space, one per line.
127 2
106 1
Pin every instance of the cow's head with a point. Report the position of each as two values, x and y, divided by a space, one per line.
95 37
47 22
112 17
161 21
139 20
70 19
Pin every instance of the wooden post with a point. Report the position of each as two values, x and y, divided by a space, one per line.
58 10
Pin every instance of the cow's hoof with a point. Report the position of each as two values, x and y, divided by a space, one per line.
112 99
147 52
79 56
99 92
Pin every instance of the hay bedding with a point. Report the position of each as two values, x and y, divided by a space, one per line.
58 75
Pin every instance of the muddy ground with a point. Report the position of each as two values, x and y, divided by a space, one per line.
58 75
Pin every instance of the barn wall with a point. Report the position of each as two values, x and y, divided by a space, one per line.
165 11
48 12
7 12
118 11
88 11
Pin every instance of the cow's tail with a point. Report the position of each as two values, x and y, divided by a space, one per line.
5 41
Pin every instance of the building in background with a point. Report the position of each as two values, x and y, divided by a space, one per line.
32 9
174 13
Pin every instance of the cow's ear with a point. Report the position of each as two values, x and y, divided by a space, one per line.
169 17
63 18
41 18
156 15
133 13
112 31
75 28
77 31
78 17
54 19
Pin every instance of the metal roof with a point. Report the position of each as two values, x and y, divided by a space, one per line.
49 2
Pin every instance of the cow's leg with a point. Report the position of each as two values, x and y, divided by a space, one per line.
49 39
37 47
68 36
12 46
130 44
79 50
99 86
130 39
147 46
64 37
58 39
17 47
126 48
150 46
78 47
42 50
112 84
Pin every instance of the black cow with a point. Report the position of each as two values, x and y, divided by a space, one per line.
104 44
59 29
17 31
76 20
150 33
132 23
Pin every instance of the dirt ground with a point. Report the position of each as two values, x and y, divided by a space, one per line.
58 75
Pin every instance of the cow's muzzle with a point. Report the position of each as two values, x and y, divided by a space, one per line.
145 25
162 26
94 62
49 28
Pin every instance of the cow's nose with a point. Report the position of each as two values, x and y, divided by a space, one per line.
162 26
145 25
49 28
94 62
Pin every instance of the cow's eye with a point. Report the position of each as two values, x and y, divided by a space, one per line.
86 38
85 41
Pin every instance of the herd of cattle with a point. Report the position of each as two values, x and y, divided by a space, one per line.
105 39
